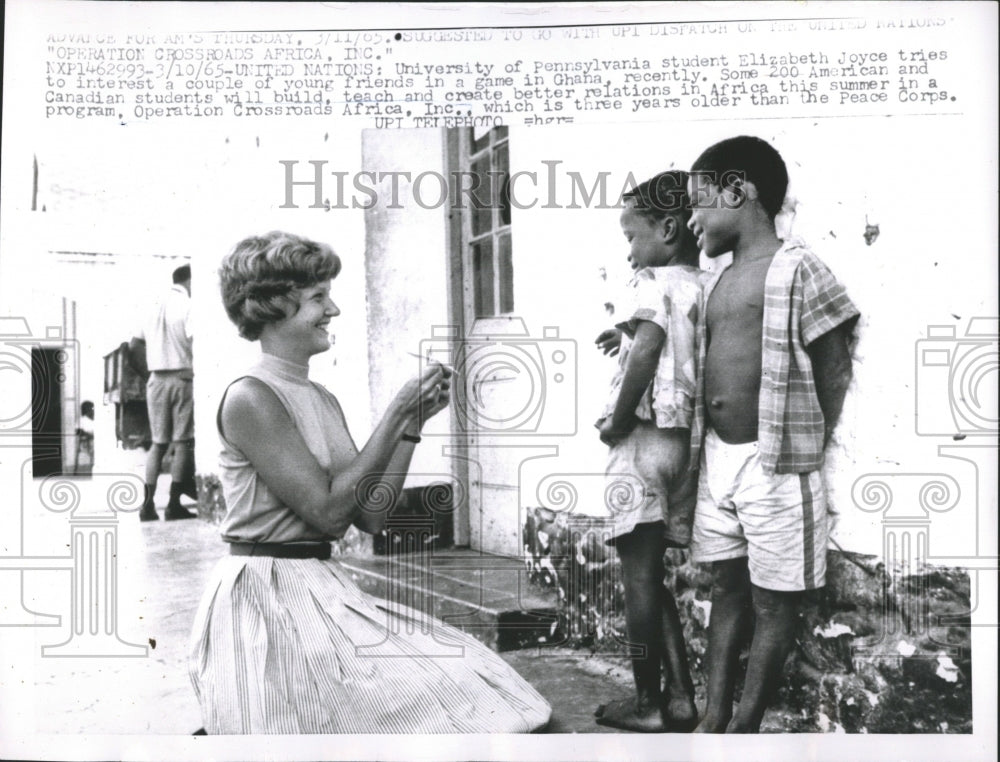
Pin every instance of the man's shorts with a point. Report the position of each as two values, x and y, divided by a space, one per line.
779 522
170 403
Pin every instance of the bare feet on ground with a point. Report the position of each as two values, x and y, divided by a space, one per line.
631 714
644 716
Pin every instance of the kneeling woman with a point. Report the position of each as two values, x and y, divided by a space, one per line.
284 641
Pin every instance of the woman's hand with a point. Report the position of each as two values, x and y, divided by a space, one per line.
426 395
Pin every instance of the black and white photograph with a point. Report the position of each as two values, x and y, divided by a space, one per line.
510 381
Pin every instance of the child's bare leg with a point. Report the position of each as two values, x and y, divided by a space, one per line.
679 709
641 554
774 634
727 628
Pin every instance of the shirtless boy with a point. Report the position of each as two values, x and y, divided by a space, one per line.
775 365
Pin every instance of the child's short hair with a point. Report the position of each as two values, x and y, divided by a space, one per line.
260 274
754 160
662 196
182 274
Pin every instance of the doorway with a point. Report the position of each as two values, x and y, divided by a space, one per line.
47 380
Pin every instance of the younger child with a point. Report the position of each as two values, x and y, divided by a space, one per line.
646 425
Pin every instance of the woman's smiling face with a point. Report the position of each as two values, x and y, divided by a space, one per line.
307 331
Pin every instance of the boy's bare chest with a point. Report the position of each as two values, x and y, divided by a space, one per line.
738 297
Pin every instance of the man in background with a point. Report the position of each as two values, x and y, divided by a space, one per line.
162 349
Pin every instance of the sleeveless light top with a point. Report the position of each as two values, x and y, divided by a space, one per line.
253 512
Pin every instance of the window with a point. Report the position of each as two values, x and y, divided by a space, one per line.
485 158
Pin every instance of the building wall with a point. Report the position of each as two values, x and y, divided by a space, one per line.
405 277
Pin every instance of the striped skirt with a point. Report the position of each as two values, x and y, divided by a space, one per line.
293 646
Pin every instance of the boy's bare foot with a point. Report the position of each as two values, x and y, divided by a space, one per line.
711 724
736 725
679 715
631 714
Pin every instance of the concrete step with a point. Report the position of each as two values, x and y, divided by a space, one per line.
487 596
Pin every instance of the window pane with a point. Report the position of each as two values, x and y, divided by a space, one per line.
505 266
501 181
482 274
481 199
480 138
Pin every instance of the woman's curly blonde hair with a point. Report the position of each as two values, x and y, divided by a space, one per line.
260 274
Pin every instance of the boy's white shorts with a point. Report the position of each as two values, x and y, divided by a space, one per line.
779 522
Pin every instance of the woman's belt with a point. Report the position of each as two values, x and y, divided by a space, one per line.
320 550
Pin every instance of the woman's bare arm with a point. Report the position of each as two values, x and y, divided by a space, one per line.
256 422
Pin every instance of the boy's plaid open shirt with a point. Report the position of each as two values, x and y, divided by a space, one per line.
802 301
